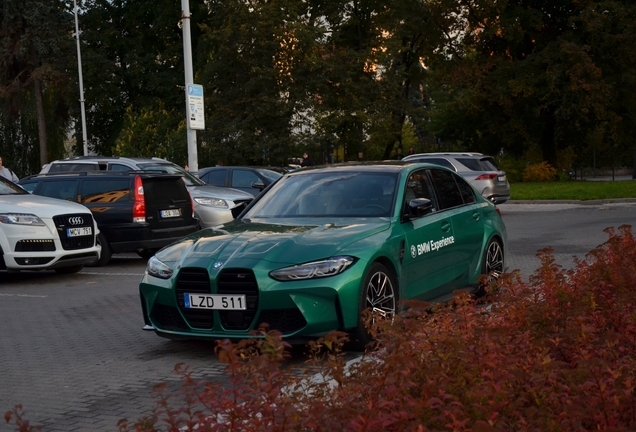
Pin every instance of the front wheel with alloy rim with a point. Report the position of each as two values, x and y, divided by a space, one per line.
493 265
379 295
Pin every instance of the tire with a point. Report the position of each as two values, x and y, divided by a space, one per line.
146 253
107 252
492 267
70 269
379 292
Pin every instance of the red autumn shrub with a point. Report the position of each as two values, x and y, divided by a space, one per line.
555 354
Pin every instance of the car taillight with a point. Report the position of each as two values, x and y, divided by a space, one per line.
489 176
139 208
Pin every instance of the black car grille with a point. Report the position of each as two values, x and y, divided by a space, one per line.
284 320
168 318
77 220
45 245
238 281
194 281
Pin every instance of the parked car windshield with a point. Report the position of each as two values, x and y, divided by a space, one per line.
173 169
9 188
328 194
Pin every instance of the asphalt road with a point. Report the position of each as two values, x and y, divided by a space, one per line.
72 351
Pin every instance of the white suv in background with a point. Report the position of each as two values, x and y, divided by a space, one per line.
213 205
39 233
478 169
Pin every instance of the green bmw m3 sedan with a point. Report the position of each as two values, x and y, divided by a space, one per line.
320 246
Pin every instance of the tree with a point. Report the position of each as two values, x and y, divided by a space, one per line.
133 59
552 74
35 37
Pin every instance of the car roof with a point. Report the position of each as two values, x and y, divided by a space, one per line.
376 166
110 158
454 154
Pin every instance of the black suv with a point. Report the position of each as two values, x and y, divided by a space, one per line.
135 211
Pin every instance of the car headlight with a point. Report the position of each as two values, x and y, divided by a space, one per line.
312 270
158 269
21 219
212 202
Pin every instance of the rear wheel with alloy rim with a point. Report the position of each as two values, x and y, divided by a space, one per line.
379 295
492 267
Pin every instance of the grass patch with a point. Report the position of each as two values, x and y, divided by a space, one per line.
573 190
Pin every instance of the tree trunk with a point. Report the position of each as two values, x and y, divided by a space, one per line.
548 145
39 106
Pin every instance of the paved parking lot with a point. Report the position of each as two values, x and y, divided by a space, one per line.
73 353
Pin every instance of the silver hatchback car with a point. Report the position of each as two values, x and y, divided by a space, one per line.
480 171
212 205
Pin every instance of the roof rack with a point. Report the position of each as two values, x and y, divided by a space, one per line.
101 173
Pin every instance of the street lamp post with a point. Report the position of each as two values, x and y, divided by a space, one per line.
193 162
81 83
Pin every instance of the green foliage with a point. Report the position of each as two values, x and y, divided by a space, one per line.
153 132
573 190
34 65
283 76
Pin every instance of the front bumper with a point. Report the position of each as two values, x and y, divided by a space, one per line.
299 309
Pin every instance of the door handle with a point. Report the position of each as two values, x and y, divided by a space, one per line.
476 215
446 226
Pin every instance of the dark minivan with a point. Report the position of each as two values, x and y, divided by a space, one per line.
135 211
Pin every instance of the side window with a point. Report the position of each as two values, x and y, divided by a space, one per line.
243 178
419 186
439 161
118 167
217 177
29 187
449 193
66 167
64 189
108 191
468 193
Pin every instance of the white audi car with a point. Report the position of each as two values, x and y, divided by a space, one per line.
40 233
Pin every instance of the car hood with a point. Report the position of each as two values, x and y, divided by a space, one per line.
210 191
38 205
245 243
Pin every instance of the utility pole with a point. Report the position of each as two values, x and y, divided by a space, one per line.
81 82
193 160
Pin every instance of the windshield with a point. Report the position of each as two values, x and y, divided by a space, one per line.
9 188
170 168
483 164
328 194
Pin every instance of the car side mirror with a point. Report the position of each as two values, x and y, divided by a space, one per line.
417 208
258 185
